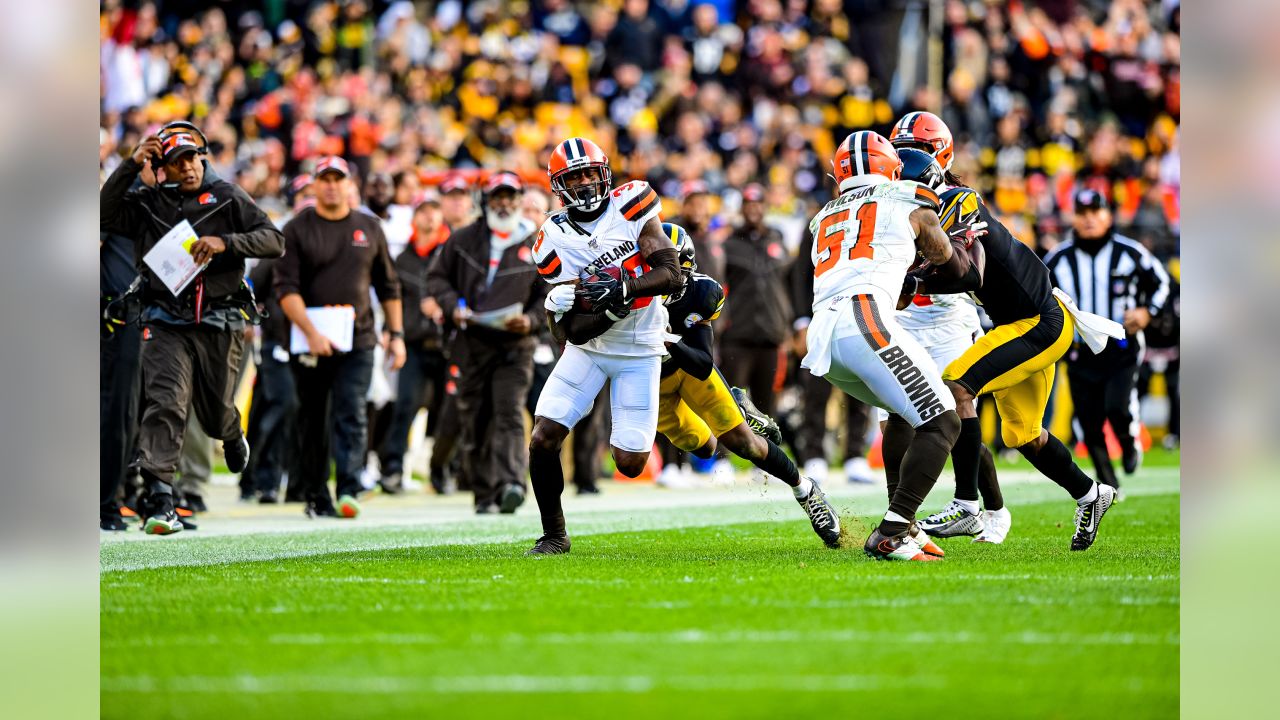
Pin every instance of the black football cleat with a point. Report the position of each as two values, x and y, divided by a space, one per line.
550 545
1089 516
822 516
392 484
759 422
236 453
488 509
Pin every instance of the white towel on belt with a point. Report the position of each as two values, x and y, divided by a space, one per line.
1095 329
822 330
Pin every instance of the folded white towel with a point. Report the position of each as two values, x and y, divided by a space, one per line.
1095 329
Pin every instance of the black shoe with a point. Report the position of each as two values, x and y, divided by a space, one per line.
188 522
902 546
550 545
487 509
113 523
442 484
268 497
822 516
236 453
592 489
194 502
1089 516
162 518
248 497
321 508
392 484
512 498
1132 458
760 423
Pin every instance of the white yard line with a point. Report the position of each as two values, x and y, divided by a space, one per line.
240 533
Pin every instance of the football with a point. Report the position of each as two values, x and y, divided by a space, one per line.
582 302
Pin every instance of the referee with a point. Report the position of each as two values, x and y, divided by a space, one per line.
1111 275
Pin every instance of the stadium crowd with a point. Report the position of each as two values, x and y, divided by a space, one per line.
720 105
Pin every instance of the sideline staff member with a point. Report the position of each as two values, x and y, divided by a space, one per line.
191 344
488 266
334 254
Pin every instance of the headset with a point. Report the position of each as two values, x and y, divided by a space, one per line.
170 129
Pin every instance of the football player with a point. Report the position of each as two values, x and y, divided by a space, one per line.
1015 361
698 411
947 325
864 242
608 259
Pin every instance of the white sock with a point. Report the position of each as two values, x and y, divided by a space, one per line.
1089 496
970 506
802 490
892 516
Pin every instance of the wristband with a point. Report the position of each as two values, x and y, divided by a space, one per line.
396 334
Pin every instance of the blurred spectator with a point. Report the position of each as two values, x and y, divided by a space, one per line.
455 202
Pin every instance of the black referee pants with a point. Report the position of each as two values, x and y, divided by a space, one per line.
753 366
1102 393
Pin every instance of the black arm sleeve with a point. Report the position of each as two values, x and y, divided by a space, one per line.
578 328
693 353
962 273
663 276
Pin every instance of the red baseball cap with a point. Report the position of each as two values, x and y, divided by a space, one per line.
694 187
753 192
504 179
176 145
332 163
454 182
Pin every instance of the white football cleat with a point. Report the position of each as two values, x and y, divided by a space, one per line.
858 471
816 469
995 526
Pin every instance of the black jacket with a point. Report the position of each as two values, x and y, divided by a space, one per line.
460 270
218 208
411 268
757 302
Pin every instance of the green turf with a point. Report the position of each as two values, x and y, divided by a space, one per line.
737 620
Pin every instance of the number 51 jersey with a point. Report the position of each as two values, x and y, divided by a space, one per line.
863 241
565 247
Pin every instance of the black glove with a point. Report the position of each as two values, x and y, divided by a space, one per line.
618 310
910 288
601 291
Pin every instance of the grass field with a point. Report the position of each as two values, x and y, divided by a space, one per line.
701 604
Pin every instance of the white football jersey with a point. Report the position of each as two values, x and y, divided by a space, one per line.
863 241
564 248
953 311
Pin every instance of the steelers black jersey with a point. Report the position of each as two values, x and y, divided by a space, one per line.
1015 284
702 300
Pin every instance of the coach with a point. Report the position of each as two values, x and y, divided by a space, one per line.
1113 276
192 343
488 266
334 255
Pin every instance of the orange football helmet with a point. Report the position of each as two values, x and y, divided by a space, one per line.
927 132
863 154
574 156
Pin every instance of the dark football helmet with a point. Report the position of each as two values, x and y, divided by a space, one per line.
920 166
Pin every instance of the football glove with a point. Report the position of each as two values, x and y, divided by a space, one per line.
618 311
602 290
560 299
968 233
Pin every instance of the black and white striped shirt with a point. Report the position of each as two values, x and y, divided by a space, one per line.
1122 275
